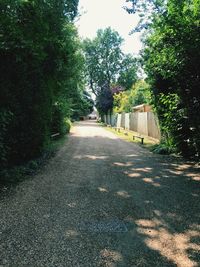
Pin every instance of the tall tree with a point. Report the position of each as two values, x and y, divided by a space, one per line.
41 67
106 65
171 61
128 72
103 57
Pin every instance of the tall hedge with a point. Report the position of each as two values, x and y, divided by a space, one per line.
40 66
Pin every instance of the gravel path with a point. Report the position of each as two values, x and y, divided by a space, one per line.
102 201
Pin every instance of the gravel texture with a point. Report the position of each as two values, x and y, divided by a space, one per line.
102 201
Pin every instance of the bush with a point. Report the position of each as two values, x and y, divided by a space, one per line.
41 76
5 120
163 149
67 125
60 124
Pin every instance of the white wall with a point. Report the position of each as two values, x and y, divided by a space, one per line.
145 123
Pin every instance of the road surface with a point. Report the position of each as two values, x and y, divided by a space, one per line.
102 201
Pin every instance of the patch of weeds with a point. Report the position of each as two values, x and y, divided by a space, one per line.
55 144
162 149
101 123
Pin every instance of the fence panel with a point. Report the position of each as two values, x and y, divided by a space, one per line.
153 126
119 118
145 123
134 121
114 119
127 121
105 119
123 120
142 127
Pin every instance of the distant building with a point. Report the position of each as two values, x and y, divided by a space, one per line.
93 115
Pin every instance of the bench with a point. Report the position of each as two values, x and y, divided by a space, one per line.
118 128
140 137
55 135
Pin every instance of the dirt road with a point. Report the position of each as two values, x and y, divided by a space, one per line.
102 201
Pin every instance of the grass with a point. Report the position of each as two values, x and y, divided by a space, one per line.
148 142
56 144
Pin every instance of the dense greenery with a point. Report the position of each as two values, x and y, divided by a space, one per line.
41 75
106 66
171 60
124 101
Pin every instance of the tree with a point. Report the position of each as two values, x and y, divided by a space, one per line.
171 60
139 94
83 106
104 101
147 10
128 72
41 74
105 66
103 57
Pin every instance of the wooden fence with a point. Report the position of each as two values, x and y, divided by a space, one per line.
145 123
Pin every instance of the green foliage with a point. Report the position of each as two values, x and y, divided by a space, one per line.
67 124
147 10
41 74
5 120
170 115
172 62
107 65
83 106
128 72
163 149
103 56
61 124
139 94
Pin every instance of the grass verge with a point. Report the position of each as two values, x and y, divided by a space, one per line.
149 143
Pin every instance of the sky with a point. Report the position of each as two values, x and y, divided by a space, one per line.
100 14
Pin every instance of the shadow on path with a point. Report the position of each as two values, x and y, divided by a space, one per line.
97 185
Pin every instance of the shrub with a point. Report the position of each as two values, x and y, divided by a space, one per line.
67 125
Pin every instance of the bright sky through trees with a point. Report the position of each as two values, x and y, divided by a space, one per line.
100 14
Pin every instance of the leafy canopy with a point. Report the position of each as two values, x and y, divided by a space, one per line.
107 65
171 60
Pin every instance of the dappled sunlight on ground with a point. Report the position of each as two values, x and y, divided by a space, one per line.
71 233
197 178
173 246
110 257
132 175
71 205
194 176
142 169
90 157
151 181
102 189
103 202
130 155
155 195
122 164
123 194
